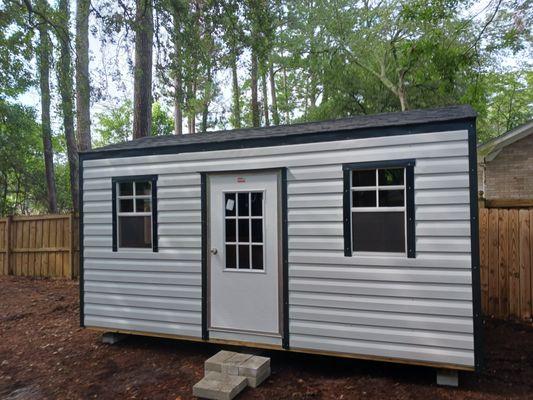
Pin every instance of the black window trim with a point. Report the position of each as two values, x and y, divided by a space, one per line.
119 179
409 165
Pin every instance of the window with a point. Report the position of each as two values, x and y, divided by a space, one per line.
379 207
244 230
134 213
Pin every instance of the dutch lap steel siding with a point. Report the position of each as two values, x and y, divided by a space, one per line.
408 308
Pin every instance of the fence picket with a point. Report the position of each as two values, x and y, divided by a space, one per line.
525 264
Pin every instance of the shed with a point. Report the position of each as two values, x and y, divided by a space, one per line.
354 237
505 168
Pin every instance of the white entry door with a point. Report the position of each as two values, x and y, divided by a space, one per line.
244 302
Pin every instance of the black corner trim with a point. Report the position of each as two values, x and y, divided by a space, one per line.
285 257
114 181
474 232
80 233
410 209
346 211
203 202
409 165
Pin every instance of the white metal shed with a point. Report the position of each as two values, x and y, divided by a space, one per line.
355 237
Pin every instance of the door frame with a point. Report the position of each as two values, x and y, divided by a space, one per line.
283 252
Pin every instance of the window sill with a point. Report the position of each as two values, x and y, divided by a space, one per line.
134 250
372 254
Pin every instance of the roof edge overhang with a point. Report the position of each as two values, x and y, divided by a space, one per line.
451 124
490 150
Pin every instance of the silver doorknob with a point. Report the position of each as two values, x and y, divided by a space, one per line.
214 251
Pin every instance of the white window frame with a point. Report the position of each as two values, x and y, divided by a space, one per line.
250 218
377 208
134 213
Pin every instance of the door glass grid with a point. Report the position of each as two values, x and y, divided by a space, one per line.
244 230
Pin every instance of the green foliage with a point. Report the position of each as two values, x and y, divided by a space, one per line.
22 183
114 125
16 51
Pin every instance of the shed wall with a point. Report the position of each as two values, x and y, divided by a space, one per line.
410 308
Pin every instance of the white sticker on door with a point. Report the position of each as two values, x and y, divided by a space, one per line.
230 204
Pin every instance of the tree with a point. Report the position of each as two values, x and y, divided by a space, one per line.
44 80
114 124
65 81
142 85
83 88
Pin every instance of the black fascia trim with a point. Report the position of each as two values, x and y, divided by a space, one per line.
409 165
117 179
313 137
474 237
80 233
285 259
203 205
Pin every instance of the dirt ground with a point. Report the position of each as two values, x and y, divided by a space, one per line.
45 355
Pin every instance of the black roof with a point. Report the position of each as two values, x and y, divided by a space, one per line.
286 132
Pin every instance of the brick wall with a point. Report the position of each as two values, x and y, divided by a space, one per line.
510 174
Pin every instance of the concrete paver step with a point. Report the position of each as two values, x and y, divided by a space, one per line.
218 386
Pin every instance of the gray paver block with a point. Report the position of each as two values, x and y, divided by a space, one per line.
255 381
215 363
254 366
232 365
217 386
447 377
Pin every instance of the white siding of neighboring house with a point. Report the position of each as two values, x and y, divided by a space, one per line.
414 309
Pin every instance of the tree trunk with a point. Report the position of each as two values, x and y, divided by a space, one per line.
65 80
178 82
265 98
275 114
286 90
44 80
83 89
142 84
207 99
236 91
255 102
178 113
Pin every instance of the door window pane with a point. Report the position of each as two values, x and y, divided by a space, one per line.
257 204
231 256
391 198
230 230
364 199
389 177
126 205
244 230
244 206
257 257
378 231
243 225
364 178
244 256
135 231
230 205
257 230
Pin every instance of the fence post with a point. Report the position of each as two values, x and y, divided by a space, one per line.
71 245
9 270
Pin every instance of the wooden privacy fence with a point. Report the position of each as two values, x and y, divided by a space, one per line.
41 246
47 246
506 261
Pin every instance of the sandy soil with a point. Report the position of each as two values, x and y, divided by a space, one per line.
45 355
